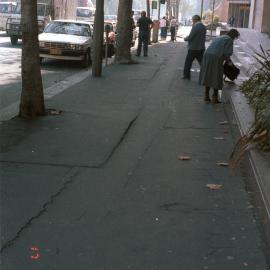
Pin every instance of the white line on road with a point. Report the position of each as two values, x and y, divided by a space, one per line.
13 109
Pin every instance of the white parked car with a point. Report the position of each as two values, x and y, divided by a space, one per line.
66 40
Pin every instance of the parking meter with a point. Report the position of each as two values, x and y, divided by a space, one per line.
155 31
107 31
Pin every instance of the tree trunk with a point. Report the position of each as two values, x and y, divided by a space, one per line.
32 98
98 39
177 10
124 32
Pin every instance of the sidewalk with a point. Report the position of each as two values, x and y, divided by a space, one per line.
244 51
250 42
101 186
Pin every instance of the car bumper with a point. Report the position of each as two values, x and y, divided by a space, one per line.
65 55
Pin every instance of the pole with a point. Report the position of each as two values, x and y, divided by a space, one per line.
212 21
158 9
201 9
106 48
148 8
98 39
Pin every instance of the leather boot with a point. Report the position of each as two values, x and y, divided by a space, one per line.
206 94
215 99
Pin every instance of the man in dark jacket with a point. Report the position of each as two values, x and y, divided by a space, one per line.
145 24
196 44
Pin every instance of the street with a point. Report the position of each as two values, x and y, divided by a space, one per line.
128 176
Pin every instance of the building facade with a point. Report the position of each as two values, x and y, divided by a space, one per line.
254 14
260 16
65 9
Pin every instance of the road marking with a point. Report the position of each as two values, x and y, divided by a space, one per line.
12 110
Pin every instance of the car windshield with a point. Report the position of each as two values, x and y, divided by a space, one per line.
18 9
110 17
69 28
6 8
40 9
84 12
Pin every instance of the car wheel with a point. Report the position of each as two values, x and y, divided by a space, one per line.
86 62
14 40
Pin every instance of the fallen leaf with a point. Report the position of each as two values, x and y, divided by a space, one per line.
224 123
219 138
226 131
214 186
184 157
223 164
54 112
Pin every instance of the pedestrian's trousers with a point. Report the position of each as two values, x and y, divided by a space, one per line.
191 55
172 29
143 40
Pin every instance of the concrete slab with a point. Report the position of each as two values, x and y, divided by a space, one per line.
58 140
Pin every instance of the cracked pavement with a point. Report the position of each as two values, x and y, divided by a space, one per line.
101 187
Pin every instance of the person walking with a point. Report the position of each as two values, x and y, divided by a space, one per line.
163 28
211 74
196 45
145 25
173 25
131 30
231 21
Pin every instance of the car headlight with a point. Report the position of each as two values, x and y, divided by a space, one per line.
79 47
71 46
41 44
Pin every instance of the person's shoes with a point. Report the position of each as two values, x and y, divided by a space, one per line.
206 95
215 100
185 78
137 54
207 99
145 55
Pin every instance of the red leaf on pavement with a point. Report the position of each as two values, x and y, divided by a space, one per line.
184 157
223 164
214 186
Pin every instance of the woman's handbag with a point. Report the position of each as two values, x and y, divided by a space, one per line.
230 70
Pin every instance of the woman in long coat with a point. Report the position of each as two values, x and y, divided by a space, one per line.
211 75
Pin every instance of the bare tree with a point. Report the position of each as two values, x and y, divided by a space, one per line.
98 39
124 32
32 98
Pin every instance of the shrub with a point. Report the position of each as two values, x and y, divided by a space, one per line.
257 91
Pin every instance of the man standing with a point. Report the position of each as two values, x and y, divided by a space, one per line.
196 45
173 25
132 27
145 24
163 28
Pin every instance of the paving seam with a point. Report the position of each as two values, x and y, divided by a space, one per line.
68 179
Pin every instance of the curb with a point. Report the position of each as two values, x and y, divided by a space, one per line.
260 162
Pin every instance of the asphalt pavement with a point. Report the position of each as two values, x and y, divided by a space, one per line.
103 184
